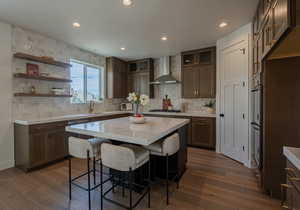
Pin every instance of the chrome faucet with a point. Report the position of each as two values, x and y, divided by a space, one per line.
91 106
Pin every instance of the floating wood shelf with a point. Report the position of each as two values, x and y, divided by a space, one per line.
42 60
26 76
41 95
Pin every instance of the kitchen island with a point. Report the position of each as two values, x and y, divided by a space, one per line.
120 130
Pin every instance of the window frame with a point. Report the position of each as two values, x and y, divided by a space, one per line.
101 81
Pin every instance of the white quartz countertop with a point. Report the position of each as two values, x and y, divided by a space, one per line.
293 155
188 114
121 129
66 118
84 116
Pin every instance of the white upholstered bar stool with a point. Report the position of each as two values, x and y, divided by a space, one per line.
166 148
85 149
125 159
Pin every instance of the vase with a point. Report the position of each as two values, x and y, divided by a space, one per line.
135 109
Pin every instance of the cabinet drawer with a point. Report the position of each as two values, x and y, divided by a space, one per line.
47 127
202 120
293 175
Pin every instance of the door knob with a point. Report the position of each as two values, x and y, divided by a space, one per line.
222 115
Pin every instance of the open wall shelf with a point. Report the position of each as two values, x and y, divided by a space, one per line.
26 76
41 95
42 60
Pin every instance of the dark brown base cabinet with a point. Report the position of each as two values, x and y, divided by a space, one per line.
291 190
201 131
42 144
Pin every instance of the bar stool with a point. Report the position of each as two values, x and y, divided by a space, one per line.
125 159
85 149
166 148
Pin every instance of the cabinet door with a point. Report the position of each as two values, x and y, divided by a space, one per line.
267 33
190 81
203 133
120 78
37 149
280 18
57 147
207 78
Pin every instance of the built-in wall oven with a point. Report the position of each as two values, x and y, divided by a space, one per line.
256 124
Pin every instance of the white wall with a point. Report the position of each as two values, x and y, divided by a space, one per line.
6 125
243 34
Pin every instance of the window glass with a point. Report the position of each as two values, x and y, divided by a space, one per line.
93 84
77 85
87 82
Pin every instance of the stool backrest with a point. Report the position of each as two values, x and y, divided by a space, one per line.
78 148
117 157
171 145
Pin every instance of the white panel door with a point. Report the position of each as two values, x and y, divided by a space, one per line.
234 102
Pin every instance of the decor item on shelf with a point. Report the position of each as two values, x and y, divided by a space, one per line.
32 89
32 69
58 91
209 107
44 74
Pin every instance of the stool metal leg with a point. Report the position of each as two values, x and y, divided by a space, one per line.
130 189
149 183
167 177
94 170
70 179
89 178
101 181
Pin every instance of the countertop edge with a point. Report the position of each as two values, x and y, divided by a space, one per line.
291 156
78 117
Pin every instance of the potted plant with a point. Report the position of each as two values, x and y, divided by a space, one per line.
209 106
136 100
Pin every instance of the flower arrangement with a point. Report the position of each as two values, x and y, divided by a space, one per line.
137 100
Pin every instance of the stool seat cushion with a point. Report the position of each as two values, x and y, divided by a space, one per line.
168 146
123 157
78 147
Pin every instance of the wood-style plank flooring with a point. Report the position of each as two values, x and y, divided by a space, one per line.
211 182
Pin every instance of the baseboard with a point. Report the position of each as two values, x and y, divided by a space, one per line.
7 164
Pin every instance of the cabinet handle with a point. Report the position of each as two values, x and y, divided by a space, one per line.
290 170
284 186
295 179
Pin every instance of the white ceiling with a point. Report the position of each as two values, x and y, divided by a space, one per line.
106 25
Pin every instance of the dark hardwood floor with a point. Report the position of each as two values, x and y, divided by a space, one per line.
211 182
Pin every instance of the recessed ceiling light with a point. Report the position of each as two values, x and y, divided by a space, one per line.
76 25
223 24
123 48
164 38
127 3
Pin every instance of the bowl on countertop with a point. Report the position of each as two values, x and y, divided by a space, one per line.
137 120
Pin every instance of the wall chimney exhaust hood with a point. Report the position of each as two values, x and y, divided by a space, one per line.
166 77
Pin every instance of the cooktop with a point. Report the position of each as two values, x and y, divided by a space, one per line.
161 110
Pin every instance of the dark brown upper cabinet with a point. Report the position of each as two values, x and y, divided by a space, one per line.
270 22
199 73
117 80
140 76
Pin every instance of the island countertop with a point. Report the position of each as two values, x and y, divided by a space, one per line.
293 155
121 129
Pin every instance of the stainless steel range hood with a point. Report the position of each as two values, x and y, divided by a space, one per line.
166 77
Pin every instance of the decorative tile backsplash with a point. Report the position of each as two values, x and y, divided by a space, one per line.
31 108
